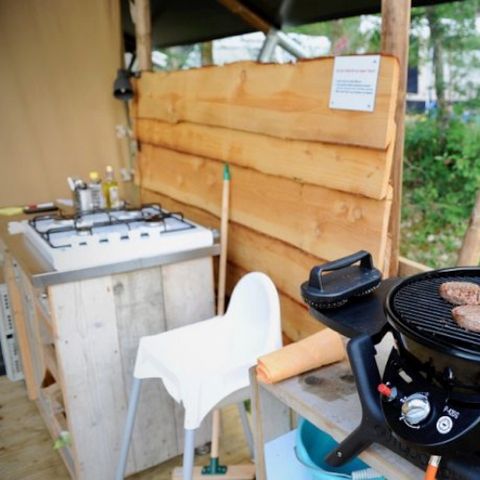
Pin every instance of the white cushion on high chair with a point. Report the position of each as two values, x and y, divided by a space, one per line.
202 363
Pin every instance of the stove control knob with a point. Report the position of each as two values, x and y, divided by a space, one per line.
415 409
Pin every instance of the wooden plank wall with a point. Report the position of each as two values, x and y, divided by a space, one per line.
309 184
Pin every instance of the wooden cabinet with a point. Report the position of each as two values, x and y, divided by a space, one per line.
78 342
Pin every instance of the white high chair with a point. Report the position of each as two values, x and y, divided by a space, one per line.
203 363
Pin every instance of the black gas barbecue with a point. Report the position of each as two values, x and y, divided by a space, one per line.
428 400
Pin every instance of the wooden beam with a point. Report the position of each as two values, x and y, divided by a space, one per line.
364 171
143 34
326 223
470 251
395 40
246 14
287 266
243 96
408 267
297 323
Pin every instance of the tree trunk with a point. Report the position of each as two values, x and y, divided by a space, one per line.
207 53
438 60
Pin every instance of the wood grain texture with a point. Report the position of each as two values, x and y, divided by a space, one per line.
358 170
271 419
188 291
408 267
89 359
143 34
25 444
331 403
56 423
26 453
395 41
296 321
323 222
32 328
470 251
288 266
139 310
285 101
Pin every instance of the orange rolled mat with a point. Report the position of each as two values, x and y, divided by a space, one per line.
315 351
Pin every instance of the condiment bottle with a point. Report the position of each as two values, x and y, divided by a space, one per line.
96 192
110 189
82 197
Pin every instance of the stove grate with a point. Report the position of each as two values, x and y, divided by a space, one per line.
86 224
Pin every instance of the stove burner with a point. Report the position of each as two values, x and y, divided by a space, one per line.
154 223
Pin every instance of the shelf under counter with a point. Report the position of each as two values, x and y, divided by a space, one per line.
80 331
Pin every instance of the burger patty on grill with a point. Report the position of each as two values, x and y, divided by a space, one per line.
460 293
468 317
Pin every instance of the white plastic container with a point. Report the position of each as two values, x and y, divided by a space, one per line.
8 341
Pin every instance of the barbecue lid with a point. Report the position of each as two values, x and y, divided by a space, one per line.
415 308
332 284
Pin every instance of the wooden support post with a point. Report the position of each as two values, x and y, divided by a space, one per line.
248 15
395 39
143 34
470 251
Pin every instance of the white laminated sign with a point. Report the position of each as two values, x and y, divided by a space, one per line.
354 82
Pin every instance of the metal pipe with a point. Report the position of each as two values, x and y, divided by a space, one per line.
188 454
276 38
268 47
291 46
127 433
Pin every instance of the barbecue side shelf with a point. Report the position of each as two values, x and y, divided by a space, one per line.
326 397
78 342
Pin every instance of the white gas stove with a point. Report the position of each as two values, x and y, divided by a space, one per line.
85 240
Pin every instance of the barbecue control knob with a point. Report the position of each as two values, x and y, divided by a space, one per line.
415 409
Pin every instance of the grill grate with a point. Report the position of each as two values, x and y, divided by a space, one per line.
420 308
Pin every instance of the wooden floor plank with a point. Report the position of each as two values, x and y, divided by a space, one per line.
26 451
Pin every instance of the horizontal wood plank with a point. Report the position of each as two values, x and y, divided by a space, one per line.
408 267
325 223
358 170
288 266
251 251
296 321
286 101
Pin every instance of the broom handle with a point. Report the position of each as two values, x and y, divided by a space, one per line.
222 274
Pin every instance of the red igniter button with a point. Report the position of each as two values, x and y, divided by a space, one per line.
386 391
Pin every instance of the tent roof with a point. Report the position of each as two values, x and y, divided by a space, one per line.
180 22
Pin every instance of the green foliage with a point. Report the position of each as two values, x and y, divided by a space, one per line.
357 41
442 152
440 186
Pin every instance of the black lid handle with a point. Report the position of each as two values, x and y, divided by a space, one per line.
362 256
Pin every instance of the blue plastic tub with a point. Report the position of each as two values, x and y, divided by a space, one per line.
312 445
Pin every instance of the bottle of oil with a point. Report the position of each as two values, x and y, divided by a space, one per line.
110 189
95 186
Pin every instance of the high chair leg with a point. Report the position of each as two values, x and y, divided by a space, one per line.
127 432
246 428
188 454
